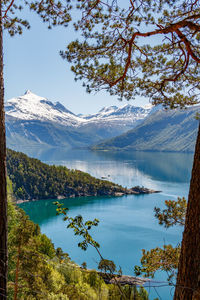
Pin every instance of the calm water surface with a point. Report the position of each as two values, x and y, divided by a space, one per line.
127 223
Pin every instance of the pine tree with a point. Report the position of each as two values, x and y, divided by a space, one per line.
54 13
148 48
120 62
3 184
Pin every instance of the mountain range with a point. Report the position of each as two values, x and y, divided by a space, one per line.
171 130
35 120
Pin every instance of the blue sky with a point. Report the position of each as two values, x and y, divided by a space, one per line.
32 61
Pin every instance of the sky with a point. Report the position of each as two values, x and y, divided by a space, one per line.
32 62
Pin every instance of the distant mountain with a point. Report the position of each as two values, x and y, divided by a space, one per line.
33 120
113 121
172 130
128 114
32 107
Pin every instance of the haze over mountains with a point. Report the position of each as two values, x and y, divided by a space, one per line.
33 120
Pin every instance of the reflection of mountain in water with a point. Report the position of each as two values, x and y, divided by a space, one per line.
159 166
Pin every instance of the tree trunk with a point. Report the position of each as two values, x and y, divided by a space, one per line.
3 194
188 278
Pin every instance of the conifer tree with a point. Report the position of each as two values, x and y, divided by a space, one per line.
54 13
3 194
116 57
148 48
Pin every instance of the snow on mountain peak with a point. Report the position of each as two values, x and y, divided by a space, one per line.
127 115
29 95
33 107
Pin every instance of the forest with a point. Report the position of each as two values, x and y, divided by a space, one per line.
33 179
38 270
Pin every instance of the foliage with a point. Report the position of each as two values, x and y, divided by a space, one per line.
166 258
38 271
163 259
174 213
33 179
84 265
107 266
82 229
79 227
148 48
51 12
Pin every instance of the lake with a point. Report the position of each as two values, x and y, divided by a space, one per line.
127 224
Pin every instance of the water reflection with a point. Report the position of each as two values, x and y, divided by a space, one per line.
127 223
159 166
165 166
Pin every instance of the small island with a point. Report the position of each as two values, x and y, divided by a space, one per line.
35 180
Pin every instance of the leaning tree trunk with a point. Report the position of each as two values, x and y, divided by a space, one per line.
188 278
3 196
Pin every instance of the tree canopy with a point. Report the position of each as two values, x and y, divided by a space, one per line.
52 12
33 179
148 48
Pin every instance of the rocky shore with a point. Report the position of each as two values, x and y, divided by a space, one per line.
123 280
137 190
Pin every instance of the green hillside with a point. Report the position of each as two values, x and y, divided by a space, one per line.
173 130
33 179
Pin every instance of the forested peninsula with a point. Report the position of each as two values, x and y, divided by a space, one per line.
34 180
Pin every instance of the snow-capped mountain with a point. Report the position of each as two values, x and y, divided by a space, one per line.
126 115
163 130
33 107
35 119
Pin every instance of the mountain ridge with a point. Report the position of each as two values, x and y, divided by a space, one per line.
33 107
171 131
32 119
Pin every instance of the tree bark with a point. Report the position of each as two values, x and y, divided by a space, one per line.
188 278
3 193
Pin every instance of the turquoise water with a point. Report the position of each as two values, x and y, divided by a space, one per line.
127 223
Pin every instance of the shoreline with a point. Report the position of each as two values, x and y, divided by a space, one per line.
137 190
